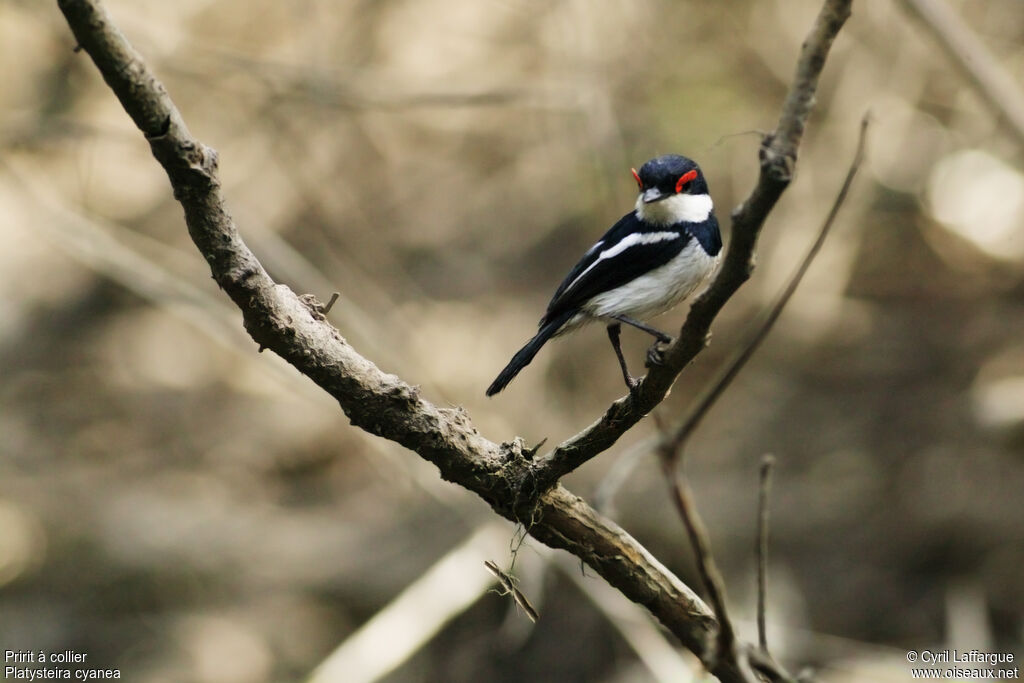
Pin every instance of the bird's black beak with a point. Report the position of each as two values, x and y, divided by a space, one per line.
652 194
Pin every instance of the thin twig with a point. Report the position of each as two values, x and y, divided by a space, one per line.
726 653
767 464
732 368
725 642
508 585
330 304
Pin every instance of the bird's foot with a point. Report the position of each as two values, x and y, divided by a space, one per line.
656 354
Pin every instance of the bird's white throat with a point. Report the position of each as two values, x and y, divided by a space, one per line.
679 208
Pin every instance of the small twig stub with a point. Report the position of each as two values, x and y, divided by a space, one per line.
508 584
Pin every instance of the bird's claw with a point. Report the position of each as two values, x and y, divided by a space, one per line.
656 354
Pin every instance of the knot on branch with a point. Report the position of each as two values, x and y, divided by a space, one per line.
777 164
190 165
520 480
402 395
201 162
317 308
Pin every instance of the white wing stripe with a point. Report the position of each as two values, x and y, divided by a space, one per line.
631 240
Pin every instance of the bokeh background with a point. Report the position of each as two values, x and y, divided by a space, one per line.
183 508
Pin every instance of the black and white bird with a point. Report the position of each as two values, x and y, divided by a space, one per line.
653 258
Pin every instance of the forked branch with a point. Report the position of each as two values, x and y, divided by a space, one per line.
517 486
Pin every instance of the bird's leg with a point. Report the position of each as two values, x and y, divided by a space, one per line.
657 334
614 330
655 354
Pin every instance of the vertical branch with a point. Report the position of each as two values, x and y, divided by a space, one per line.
767 464
725 653
725 640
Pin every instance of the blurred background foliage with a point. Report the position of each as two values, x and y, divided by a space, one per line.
184 508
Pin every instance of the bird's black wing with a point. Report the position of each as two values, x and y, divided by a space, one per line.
628 250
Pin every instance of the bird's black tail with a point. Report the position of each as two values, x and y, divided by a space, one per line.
526 354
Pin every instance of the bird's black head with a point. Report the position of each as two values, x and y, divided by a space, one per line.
668 175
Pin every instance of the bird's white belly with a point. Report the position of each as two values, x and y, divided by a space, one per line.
658 291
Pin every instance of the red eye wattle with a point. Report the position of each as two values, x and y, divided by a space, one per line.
686 179
636 175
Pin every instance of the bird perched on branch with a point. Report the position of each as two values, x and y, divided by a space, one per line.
653 258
